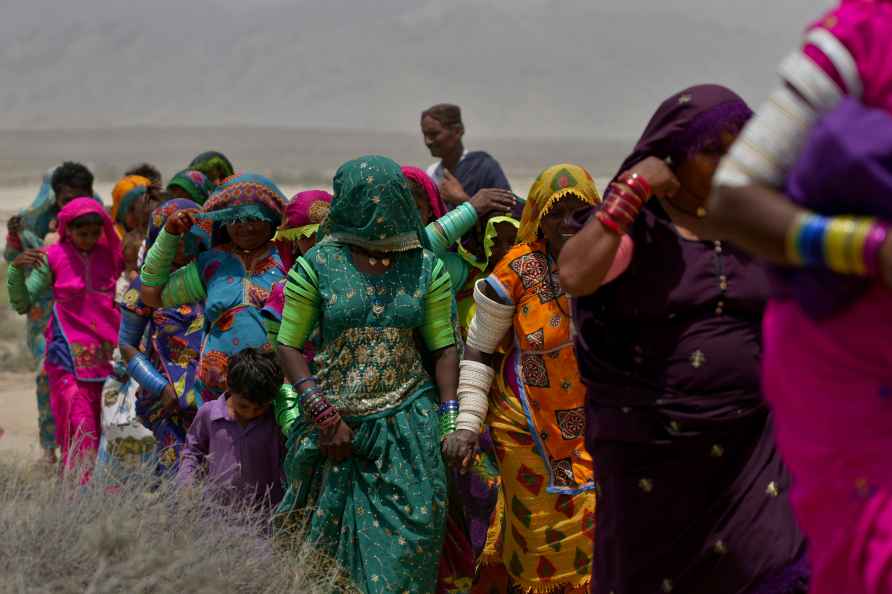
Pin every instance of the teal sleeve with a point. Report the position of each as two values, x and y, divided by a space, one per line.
25 290
449 228
437 329
458 269
183 286
302 305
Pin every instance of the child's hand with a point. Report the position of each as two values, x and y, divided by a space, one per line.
29 259
180 221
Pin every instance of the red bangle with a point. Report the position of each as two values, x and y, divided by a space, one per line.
609 223
637 184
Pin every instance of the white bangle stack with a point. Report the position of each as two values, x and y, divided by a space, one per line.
474 381
490 322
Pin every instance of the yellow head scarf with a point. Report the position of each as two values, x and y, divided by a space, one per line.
552 185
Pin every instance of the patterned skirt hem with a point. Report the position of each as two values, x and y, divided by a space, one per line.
551 588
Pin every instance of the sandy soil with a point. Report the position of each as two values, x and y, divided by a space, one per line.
18 415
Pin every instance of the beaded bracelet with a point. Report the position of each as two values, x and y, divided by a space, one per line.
844 244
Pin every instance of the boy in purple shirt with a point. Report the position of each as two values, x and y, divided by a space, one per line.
234 442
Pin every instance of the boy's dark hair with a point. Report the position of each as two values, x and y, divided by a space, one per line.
255 376
73 175
91 218
147 170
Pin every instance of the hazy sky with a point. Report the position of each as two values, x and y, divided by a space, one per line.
557 68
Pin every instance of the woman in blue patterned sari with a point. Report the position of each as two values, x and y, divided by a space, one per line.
166 368
233 278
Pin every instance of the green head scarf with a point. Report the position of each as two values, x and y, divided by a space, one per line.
373 208
213 164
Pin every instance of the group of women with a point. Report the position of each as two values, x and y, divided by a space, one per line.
568 392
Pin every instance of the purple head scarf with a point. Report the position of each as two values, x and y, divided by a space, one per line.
687 122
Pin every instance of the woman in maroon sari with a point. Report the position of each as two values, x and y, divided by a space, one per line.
693 494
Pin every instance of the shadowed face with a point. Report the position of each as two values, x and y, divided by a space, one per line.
555 226
506 234
422 202
85 237
66 193
250 235
243 410
696 173
440 140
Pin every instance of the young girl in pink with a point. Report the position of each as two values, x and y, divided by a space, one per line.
81 271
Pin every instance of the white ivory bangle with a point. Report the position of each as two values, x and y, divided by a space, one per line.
489 323
474 382
769 143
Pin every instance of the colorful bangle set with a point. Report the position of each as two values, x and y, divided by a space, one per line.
315 406
621 207
844 244
448 417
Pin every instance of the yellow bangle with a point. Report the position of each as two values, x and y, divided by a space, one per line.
836 244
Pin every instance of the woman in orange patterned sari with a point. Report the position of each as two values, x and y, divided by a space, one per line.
535 407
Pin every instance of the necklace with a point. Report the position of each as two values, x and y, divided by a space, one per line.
373 260
699 213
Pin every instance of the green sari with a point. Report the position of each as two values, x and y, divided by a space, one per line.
381 512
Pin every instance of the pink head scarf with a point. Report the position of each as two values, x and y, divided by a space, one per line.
303 215
79 207
419 176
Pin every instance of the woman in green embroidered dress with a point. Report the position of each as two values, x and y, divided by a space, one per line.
365 452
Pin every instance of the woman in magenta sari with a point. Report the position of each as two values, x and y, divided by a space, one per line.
81 270
808 187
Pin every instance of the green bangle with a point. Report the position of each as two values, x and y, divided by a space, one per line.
156 268
448 422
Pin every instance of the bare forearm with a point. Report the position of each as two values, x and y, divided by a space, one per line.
447 373
293 362
754 217
586 258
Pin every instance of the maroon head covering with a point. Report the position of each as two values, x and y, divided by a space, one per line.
688 121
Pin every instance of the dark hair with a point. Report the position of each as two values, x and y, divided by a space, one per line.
446 113
91 218
73 175
255 376
147 170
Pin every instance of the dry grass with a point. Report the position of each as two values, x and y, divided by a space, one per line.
138 536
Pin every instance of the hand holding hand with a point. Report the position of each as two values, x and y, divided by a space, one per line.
459 448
